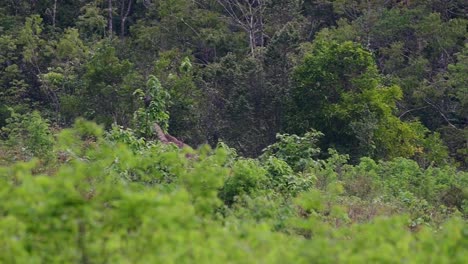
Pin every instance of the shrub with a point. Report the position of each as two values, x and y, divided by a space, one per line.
295 150
246 177
28 136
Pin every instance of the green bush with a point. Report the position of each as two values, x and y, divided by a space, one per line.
28 136
246 177
284 180
295 150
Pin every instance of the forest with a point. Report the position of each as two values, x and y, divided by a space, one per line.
233 131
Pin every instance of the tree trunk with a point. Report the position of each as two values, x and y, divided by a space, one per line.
124 16
111 30
54 13
252 42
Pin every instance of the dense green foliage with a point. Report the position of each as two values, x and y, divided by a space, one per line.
112 198
366 74
324 131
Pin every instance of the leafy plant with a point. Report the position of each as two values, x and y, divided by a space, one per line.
295 150
28 136
156 100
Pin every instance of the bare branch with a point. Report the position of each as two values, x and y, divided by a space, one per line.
412 110
440 112
247 15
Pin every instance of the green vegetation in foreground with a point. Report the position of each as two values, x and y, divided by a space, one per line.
109 197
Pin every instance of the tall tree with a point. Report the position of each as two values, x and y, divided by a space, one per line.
125 9
249 16
340 93
110 18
